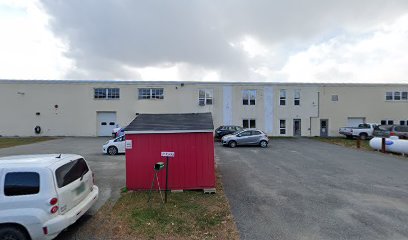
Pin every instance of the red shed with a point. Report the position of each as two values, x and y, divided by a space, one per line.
189 136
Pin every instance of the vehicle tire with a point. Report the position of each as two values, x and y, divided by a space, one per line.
112 150
263 144
12 233
363 136
232 144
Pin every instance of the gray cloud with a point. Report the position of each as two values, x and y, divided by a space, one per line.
105 35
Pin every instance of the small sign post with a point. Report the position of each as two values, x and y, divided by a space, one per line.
167 155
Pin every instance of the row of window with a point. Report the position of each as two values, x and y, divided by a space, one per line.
396 96
296 97
205 96
391 122
251 123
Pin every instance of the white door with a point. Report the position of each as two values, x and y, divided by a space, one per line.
106 123
355 121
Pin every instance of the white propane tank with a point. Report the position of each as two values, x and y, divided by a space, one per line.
392 144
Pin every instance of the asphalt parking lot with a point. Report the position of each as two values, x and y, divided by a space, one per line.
306 189
109 170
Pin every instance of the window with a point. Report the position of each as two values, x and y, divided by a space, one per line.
205 97
245 134
397 96
383 122
335 98
151 93
388 96
254 133
297 97
282 126
248 123
248 97
390 122
404 96
282 97
401 129
120 139
106 93
21 183
70 172
402 122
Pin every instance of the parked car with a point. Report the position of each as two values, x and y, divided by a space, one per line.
41 195
246 137
114 146
225 130
363 130
117 132
391 130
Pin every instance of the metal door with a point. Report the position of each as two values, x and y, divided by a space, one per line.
106 123
324 127
297 127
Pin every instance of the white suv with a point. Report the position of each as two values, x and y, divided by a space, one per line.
41 195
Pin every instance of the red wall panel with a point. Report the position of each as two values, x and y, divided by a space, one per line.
191 168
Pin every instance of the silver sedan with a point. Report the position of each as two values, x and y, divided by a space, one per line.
246 137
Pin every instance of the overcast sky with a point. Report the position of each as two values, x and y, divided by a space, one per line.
191 40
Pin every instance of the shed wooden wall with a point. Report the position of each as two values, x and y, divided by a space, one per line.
193 166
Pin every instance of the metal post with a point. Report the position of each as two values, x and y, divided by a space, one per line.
167 179
383 145
358 142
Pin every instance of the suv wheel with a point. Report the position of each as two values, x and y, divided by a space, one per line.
363 136
263 143
11 233
112 150
232 144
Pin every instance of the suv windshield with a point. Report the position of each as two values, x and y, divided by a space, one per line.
70 172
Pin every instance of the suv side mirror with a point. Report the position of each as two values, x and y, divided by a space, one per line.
239 135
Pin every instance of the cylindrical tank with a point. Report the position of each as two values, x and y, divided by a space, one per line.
392 144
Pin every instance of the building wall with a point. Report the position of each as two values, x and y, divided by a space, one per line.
76 113
364 102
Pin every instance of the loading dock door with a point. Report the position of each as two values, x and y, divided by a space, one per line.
106 123
355 121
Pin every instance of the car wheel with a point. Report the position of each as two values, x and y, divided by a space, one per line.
363 136
112 150
263 144
232 144
12 233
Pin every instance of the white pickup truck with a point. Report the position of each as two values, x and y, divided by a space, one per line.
363 130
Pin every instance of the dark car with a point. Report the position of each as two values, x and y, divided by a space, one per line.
224 130
391 130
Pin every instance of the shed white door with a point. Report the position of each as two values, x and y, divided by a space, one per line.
355 121
106 123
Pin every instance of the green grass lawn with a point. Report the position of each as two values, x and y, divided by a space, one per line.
187 215
10 142
342 141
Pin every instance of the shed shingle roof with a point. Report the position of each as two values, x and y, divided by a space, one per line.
180 122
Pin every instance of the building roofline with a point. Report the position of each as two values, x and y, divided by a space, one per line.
142 82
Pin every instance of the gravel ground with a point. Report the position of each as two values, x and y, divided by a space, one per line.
306 189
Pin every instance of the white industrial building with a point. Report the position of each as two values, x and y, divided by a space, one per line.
93 108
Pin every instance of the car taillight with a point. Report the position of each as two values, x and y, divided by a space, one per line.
392 133
45 230
54 209
53 201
